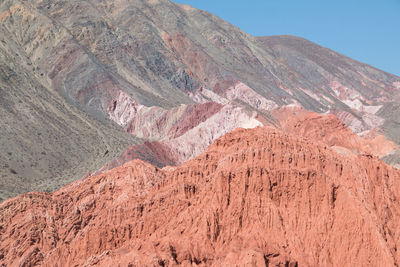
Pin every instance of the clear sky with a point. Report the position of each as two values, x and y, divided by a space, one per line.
366 30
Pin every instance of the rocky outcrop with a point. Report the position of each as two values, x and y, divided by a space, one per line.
189 142
333 132
156 123
255 197
194 128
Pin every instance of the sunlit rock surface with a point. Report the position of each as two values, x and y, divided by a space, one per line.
256 197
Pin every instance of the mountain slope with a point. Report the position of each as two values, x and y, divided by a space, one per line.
255 197
45 142
152 67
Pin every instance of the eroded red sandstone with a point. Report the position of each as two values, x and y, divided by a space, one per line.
255 197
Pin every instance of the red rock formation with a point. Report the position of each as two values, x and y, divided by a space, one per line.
332 131
255 197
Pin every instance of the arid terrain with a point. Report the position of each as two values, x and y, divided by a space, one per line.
148 133
256 197
89 85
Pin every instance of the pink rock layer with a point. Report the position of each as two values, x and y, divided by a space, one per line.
202 124
178 134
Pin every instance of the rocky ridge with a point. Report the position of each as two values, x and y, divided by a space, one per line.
255 197
292 119
333 132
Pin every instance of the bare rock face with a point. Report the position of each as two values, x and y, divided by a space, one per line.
191 141
177 134
332 131
255 197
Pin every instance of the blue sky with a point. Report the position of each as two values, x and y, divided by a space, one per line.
366 30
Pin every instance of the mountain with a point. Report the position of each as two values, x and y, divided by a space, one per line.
45 142
88 85
255 197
